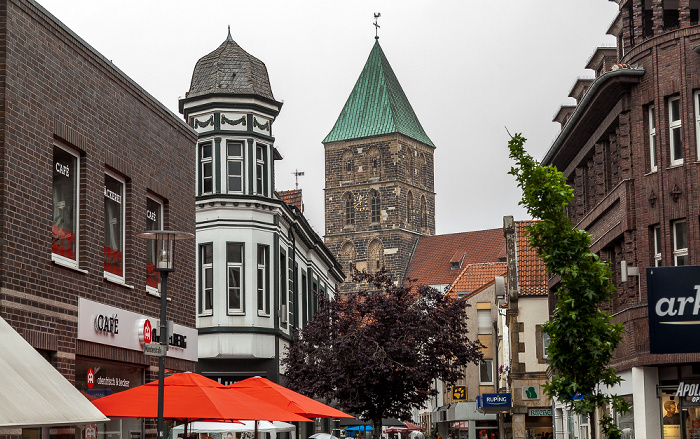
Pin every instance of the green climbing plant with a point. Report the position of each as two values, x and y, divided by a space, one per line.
582 336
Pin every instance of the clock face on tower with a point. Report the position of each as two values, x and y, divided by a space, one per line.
359 202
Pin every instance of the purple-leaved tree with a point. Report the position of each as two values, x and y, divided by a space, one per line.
377 353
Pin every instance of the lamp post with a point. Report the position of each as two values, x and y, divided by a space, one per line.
164 263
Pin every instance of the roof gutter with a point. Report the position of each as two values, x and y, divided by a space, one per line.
585 102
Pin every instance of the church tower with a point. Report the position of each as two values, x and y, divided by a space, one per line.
379 176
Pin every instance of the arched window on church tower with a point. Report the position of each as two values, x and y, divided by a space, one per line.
409 207
374 162
411 170
348 164
347 258
375 256
423 171
423 213
349 209
375 206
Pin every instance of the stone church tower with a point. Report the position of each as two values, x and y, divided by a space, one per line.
379 176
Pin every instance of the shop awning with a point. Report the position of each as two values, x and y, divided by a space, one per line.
33 393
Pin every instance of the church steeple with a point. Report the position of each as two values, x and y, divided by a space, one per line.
377 105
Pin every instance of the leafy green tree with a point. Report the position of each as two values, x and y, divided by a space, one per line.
582 336
377 352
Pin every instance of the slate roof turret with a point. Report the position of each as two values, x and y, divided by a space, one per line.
230 70
377 105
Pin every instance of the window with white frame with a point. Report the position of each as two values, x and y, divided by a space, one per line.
262 288
486 372
206 278
680 243
206 169
675 134
234 269
260 174
652 139
656 242
64 229
114 227
483 317
154 221
696 100
234 166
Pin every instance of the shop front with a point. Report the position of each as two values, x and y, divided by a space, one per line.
100 374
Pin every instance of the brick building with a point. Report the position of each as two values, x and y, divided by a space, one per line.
88 160
630 149
379 175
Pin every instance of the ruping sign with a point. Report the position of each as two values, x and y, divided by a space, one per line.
673 296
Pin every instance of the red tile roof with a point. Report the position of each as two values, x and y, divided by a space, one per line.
293 198
475 277
431 260
532 278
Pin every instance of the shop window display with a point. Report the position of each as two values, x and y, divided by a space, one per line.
96 379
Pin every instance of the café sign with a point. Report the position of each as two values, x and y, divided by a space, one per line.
108 325
673 297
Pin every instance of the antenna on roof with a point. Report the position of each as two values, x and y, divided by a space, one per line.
376 26
297 174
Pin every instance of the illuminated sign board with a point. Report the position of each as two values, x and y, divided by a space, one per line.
673 297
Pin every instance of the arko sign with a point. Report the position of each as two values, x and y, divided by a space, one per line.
673 296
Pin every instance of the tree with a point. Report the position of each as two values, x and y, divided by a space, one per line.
377 352
582 336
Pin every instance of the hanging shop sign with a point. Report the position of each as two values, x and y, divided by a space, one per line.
498 400
108 325
674 309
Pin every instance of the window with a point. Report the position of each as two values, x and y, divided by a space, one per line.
206 169
652 139
283 288
374 164
206 278
409 208
347 258
374 205
154 221
234 166
656 243
696 100
349 210
348 163
680 243
65 206
484 319
263 299
423 213
486 372
234 269
375 255
114 228
675 134
260 174
291 307
545 345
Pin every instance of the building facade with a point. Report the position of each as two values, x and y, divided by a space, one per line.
89 160
260 265
630 150
379 176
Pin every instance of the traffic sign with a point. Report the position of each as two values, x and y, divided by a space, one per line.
155 349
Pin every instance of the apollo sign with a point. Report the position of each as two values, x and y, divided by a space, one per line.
673 298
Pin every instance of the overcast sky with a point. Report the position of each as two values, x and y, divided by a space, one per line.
470 69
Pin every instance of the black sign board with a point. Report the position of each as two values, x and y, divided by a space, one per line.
673 295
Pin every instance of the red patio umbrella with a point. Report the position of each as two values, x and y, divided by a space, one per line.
282 397
191 397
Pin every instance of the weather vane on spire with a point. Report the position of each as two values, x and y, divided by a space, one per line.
376 25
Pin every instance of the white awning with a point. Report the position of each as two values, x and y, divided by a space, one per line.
33 393
223 427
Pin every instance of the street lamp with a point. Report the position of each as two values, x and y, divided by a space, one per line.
164 263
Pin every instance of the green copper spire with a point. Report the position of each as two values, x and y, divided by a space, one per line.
377 105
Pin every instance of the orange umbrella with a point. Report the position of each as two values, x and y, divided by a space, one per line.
191 397
282 397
